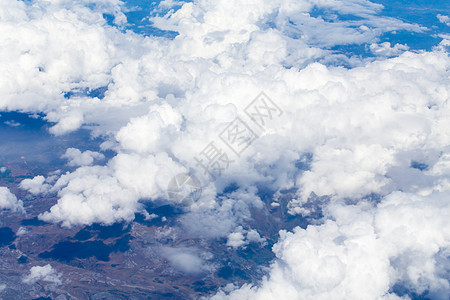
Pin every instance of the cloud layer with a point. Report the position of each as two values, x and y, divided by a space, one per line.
374 130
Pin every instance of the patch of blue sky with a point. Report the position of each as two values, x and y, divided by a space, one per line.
20 130
87 92
139 12
421 12
332 16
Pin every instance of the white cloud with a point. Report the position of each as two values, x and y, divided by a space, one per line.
187 260
65 123
167 99
444 19
254 237
21 231
362 139
213 218
236 239
43 64
36 185
361 251
175 96
94 196
12 123
110 193
241 238
385 49
9 201
77 158
45 273
152 132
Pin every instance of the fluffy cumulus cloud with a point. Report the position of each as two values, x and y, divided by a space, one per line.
363 251
240 237
9 201
45 273
36 185
370 139
110 193
77 158
368 142
385 49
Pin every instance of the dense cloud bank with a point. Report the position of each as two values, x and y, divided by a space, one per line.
376 131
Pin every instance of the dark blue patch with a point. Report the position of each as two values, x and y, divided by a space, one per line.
232 187
260 255
264 192
109 19
418 165
5 174
138 15
98 92
25 137
27 121
373 197
22 260
123 244
201 286
402 291
229 272
102 232
7 236
169 211
304 162
68 251
83 235
140 218
109 231
87 92
163 210
33 222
